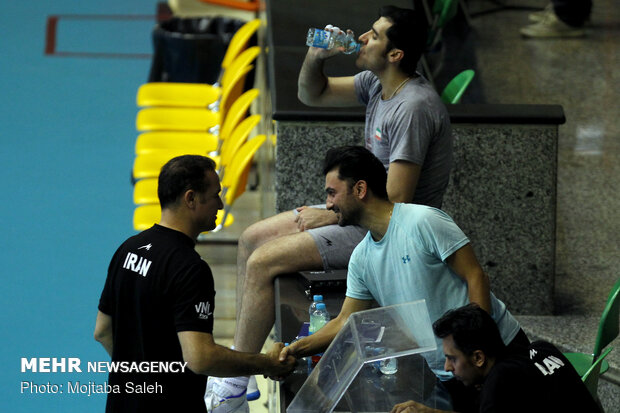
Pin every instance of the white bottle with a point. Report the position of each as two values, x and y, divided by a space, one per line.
328 40
315 300
318 318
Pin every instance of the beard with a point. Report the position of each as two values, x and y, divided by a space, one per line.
211 224
348 218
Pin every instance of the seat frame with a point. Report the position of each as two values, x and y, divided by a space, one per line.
607 331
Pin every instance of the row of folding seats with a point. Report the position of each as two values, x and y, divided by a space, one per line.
193 118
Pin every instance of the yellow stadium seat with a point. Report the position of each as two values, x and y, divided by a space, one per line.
155 141
238 111
145 192
236 178
193 119
236 139
147 165
233 186
199 95
182 119
196 142
232 91
236 68
239 41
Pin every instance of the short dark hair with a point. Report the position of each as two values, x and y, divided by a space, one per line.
181 174
409 33
472 329
356 163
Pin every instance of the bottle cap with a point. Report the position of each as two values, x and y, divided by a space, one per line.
320 306
317 297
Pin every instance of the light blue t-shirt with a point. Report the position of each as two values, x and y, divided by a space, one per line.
408 264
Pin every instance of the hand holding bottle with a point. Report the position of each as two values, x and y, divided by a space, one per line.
333 39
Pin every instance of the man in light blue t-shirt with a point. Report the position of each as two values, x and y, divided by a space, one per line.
410 252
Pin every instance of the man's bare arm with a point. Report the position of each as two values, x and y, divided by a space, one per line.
316 89
204 356
414 407
319 341
103 331
402 181
466 266
308 218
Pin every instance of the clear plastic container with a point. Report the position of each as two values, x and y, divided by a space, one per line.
349 376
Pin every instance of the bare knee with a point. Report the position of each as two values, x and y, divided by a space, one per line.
265 230
260 268
248 241
282 255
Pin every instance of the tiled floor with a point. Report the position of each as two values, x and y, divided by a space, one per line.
580 75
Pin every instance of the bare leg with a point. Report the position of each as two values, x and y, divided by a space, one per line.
253 237
282 255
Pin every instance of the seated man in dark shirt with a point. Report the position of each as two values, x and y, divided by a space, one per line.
544 381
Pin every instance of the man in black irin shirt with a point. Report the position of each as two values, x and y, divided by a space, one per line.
156 308
541 380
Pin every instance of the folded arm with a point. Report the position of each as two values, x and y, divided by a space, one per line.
316 89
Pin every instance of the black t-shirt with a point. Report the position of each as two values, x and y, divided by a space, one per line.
157 285
544 382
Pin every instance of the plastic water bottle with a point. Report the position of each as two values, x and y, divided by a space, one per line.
388 366
318 318
328 40
315 300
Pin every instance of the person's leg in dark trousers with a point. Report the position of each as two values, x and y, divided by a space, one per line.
572 12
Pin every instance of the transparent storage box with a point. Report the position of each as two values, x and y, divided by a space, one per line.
377 360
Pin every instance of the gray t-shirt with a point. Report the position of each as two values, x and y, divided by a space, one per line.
413 126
